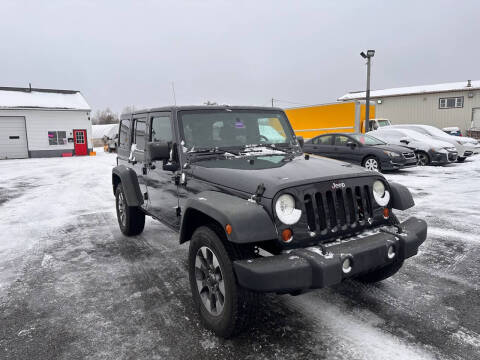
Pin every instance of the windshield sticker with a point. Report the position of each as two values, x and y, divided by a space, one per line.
239 124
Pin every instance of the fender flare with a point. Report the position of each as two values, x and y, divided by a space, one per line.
401 198
249 220
128 178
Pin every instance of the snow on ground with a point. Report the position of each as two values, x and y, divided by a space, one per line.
72 286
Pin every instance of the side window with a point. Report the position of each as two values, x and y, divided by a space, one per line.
57 137
139 135
161 129
341 140
52 138
325 140
124 139
315 141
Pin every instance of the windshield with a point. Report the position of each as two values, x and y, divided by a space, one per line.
206 129
383 122
434 131
367 139
416 135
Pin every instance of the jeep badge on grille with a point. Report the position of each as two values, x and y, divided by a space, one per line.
337 186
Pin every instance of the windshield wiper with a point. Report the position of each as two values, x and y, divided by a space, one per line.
285 148
213 151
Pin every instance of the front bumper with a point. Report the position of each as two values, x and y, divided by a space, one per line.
398 163
312 268
439 158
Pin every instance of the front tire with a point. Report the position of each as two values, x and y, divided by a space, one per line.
461 159
131 219
371 163
422 158
224 307
381 274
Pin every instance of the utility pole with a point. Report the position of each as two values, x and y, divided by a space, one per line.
368 56
272 102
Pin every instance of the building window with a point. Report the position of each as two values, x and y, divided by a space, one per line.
451 102
57 137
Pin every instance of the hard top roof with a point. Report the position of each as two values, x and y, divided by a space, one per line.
201 107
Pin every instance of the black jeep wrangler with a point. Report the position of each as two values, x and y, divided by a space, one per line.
260 215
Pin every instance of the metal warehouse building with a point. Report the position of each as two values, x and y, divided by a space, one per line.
43 123
441 105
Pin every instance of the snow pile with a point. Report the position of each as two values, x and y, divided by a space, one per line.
42 99
109 130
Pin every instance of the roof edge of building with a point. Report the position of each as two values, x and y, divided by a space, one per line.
362 94
43 108
21 89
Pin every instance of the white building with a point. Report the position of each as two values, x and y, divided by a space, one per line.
440 105
43 123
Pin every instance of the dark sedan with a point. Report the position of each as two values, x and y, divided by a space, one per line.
361 149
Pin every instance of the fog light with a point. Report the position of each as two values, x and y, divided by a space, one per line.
347 266
287 235
391 252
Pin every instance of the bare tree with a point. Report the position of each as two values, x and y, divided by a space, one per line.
128 109
106 116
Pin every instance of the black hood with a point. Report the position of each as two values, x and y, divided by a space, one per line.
276 172
395 148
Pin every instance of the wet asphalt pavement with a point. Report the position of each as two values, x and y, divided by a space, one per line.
73 287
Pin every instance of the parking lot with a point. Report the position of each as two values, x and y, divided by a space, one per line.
72 286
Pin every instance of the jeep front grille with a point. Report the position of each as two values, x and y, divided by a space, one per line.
339 209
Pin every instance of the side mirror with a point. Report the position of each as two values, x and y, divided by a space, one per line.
158 151
404 140
301 141
351 144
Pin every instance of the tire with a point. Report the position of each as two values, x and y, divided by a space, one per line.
422 158
131 219
239 307
461 159
381 274
371 163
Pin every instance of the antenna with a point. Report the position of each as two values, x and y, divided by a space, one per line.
174 97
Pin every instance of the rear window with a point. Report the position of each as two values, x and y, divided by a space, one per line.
140 133
124 137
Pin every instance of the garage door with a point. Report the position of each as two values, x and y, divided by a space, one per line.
13 138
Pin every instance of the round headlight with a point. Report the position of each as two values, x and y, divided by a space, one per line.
285 209
381 196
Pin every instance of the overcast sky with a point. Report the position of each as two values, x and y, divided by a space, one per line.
120 53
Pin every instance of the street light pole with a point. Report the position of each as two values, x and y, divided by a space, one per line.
368 56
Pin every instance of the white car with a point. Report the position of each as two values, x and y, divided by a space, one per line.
464 147
474 142
428 150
